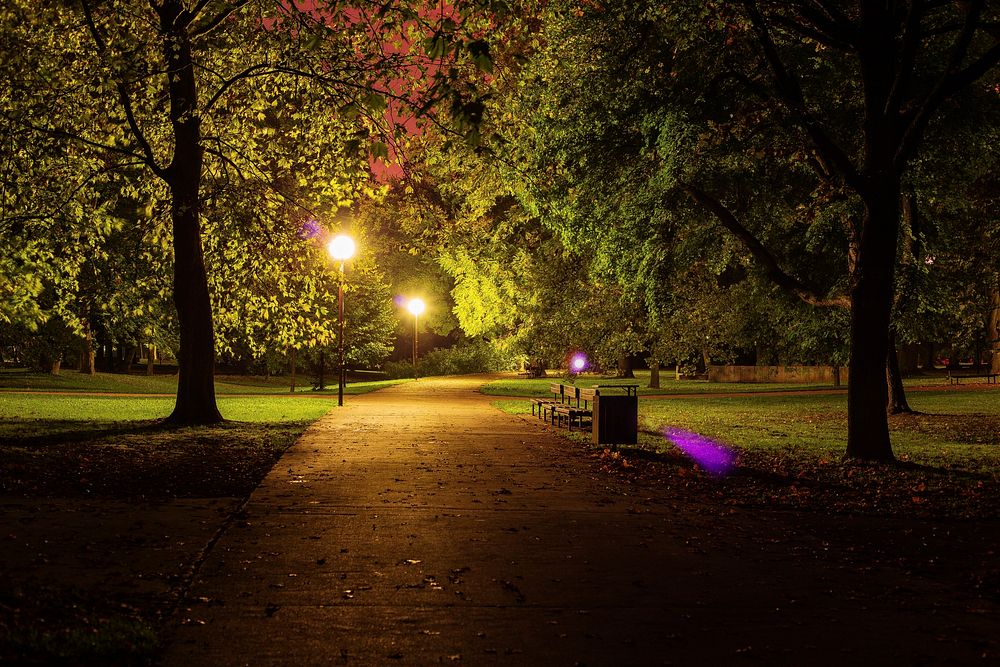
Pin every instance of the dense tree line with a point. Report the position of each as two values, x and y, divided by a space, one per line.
808 181
698 178
192 141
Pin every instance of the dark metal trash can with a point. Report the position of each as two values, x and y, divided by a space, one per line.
616 420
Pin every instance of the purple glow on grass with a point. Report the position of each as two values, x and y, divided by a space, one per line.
578 362
710 455
310 229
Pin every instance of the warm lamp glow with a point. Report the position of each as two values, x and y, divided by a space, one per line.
341 247
416 306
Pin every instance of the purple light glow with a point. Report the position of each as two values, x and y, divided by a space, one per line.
310 229
578 362
710 455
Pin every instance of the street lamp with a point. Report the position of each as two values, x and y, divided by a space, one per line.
341 249
415 306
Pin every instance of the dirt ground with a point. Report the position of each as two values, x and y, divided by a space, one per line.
419 525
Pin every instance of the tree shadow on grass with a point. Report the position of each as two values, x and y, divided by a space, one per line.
41 433
144 459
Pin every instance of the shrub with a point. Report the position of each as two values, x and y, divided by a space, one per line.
479 356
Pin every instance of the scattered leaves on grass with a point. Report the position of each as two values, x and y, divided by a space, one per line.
43 625
953 483
142 459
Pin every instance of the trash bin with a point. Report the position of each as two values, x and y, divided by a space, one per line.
616 420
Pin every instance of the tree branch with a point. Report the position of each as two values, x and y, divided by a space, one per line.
260 69
791 93
813 33
73 136
212 23
908 57
762 255
952 80
124 99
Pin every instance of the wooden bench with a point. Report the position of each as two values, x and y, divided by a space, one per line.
575 406
991 378
533 371
541 406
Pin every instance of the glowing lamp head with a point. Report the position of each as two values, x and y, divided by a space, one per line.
341 247
578 362
416 306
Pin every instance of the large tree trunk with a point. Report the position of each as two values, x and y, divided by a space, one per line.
871 307
896 403
196 356
625 367
654 374
994 324
908 359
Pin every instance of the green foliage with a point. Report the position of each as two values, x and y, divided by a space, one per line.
473 356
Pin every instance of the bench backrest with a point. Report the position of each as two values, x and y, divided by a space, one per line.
556 390
571 394
588 395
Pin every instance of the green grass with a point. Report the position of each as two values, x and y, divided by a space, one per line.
817 423
23 407
74 381
789 452
540 386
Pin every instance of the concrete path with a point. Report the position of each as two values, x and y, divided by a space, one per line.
420 525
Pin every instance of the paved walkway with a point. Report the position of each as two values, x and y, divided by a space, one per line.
419 526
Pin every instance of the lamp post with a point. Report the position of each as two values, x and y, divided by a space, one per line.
415 306
341 248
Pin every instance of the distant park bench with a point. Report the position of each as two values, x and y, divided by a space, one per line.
991 378
568 402
536 370
573 406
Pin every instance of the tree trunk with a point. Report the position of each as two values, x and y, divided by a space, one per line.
196 357
896 403
322 371
625 367
994 324
908 357
871 307
56 365
87 354
150 360
836 375
291 364
131 356
654 374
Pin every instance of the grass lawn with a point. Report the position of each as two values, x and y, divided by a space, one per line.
787 451
515 386
71 380
116 447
